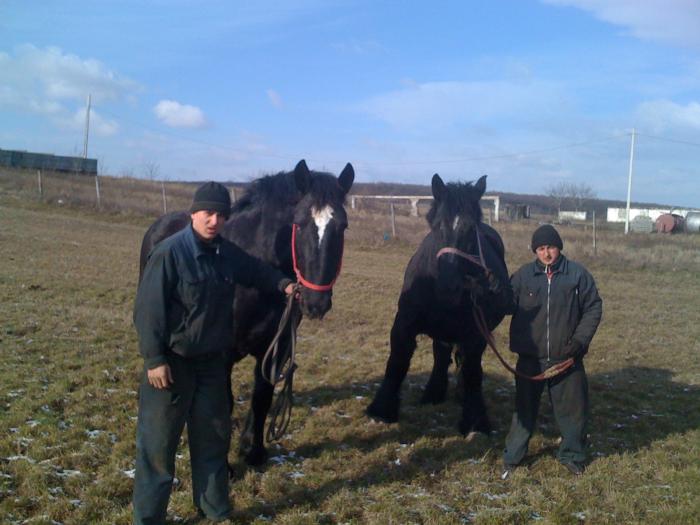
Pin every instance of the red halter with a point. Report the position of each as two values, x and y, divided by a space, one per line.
300 277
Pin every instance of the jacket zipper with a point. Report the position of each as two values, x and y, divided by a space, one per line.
549 286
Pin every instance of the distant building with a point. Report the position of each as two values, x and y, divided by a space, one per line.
619 214
46 161
572 215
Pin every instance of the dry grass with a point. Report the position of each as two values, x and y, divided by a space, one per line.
68 391
118 195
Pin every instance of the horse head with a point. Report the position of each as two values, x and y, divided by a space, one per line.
318 234
454 217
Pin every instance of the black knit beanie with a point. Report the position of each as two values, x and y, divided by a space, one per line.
212 196
546 235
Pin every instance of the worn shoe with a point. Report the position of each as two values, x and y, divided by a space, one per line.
507 470
574 467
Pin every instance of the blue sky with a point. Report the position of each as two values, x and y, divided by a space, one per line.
530 93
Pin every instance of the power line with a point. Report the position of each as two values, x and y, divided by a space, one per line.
495 157
669 140
402 163
189 139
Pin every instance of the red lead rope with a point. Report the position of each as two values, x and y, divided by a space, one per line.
297 271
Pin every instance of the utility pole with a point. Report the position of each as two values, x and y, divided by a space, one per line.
87 127
629 185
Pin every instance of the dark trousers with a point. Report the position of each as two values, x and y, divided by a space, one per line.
568 394
198 398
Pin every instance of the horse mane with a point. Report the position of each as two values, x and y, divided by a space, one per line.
459 196
280 190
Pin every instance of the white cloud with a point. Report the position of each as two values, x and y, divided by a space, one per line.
662 115
671 21
98 124
275 98
178 115
437 104
46 81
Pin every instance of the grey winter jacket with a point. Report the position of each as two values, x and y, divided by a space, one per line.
550 314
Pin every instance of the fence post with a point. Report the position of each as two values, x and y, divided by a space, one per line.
97 190
165 201
234 197
41 189
594 235
393 220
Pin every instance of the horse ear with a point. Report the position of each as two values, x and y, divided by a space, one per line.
302 176
346 178
438 187
481 185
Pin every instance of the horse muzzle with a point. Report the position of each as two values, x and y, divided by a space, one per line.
315 305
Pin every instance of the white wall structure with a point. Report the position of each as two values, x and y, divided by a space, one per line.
415 199
572 215
619 214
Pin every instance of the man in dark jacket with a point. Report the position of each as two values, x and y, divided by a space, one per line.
556 313
183 315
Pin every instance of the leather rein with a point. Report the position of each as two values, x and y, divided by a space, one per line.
282 362
482 325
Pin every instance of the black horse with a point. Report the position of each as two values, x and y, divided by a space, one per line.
294 221
458 267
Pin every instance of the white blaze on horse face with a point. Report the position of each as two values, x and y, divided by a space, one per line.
322 217
455 223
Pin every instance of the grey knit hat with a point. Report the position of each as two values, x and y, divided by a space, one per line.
546 235
212 196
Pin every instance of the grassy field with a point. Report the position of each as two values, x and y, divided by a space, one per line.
70 372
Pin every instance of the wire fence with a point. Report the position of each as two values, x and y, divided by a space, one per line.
104 193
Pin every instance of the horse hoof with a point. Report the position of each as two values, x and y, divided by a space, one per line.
432 397
471 431
256 457
386 416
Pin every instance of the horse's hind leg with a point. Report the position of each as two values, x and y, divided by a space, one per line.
474 416
252 446
436 388
385 405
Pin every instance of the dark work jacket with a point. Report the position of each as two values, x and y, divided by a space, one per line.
184 302
550 314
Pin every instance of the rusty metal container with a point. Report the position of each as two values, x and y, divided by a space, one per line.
669 223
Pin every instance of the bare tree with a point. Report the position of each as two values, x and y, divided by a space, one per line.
559 192
151 170
570 193
127 172
102 167
583 193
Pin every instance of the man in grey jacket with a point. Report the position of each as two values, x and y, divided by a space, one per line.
556 313
183 315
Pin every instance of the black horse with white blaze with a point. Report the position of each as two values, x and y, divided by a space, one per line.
294 221
458 267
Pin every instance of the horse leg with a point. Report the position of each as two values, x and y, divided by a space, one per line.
436 387
252 446
474 416
385 405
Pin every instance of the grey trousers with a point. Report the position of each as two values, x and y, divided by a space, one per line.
568 394
198 398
